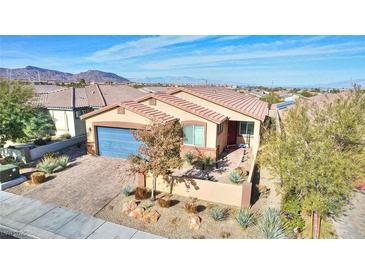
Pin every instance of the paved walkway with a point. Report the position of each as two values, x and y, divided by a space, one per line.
352 224
22 217
87 185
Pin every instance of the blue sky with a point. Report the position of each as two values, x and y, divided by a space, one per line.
260 60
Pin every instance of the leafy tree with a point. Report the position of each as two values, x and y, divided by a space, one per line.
39 124
272 98
318 153
14 110
159 153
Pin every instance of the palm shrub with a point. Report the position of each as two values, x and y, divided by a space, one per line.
127 190
271 225
63 161
245 217
189 157
235 177
47 165
206 161
218 214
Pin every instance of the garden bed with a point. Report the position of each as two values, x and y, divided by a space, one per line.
174 221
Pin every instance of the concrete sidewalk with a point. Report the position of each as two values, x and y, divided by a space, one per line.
23 217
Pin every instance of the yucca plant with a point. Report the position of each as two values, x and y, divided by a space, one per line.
235 177
218 214
189 157
245 217
47 165
127 190
271 225
63 161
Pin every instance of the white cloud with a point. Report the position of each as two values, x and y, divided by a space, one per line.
140 47
242 53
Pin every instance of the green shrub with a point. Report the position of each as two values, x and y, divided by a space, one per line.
10 160
48 165
218 214
189 157
40 142
292 210
206 161
245 218
63 161
271 226
66 136
235 177
127 190
146 204
49 155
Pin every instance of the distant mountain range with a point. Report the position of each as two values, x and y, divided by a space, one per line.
343 84
183 80
35 74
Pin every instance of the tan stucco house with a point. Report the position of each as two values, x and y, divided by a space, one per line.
66 104
212 119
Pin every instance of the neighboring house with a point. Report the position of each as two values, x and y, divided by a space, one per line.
67 104
212 119
289 97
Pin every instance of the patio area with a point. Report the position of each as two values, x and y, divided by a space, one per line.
219 172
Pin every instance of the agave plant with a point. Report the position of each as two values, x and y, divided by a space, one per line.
271 225
218 214
47 165
127 190
235 177
63 161
245 217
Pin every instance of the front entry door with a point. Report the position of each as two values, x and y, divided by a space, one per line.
232 132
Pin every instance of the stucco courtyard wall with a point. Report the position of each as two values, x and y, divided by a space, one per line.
215 192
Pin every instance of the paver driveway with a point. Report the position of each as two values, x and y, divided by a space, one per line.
87 186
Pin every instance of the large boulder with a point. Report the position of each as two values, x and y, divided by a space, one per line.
129 206
137 213
151 216
194 222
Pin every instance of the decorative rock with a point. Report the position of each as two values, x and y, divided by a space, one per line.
38 177
151 216
129 206
165 201
140 193
191 206
194 222
137 213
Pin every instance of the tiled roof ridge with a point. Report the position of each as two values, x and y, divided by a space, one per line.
196 109
148 112
223 100
101 94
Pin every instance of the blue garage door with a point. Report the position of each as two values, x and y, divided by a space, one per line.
116 142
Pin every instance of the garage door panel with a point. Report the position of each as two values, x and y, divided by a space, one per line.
116 142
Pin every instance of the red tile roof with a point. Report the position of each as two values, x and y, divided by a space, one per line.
94 96
138 108
190 107
148 112
243 103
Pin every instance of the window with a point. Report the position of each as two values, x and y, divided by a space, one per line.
220 128
246 128
194 135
